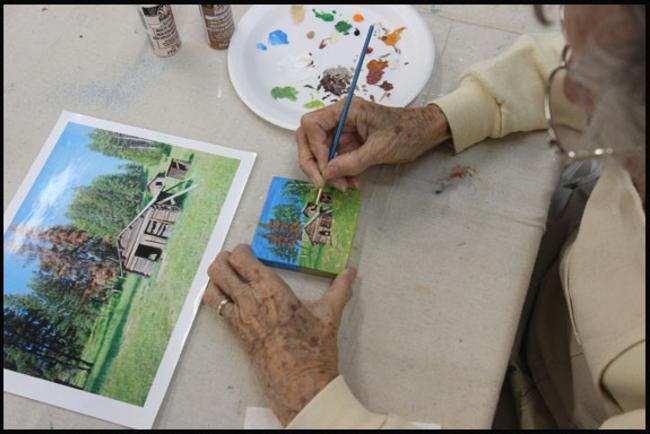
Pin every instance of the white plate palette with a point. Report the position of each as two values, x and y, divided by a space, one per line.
285 61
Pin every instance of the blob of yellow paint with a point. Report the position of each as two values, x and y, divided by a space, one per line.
297 13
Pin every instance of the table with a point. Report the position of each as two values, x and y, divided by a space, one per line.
442 278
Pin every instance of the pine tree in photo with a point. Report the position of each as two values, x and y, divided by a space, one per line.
118 145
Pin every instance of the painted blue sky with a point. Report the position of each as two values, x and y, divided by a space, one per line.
260 246
71 164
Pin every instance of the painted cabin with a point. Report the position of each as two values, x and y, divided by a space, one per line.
311 207
325 197
318 227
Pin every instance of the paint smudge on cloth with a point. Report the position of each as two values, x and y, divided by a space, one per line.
457 175
287 92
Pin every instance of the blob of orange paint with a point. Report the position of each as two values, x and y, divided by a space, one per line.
375 70
358 18
392 37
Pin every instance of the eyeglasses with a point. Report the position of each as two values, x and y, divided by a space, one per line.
569 147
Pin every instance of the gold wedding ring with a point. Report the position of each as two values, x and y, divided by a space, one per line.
222 304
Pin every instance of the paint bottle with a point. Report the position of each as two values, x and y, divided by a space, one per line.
158 21
219 24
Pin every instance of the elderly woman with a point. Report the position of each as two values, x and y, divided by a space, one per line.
582 362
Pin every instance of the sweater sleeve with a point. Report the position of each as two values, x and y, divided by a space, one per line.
505 94
624 379
634 419
335 407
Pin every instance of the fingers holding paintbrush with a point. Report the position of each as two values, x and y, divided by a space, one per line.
346 105
315 138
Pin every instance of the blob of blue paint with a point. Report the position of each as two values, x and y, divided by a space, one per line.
261 46
278 37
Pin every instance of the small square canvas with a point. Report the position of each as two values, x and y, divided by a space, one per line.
296 234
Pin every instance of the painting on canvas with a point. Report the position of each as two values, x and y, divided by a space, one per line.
296 233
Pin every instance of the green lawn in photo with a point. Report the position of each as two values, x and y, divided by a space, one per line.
128 344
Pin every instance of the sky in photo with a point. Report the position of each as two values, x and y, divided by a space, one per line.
71 164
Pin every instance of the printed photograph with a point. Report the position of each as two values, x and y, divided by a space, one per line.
101 254
297 233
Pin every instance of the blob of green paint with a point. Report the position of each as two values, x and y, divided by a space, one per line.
343 27
314 104
284 92
323 15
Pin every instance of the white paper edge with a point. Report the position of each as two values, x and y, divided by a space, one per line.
95 405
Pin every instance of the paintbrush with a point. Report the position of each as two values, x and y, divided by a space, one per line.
348 100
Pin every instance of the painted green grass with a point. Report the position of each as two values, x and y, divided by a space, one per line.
332 258
132 346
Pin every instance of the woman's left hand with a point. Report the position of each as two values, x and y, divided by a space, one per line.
292 343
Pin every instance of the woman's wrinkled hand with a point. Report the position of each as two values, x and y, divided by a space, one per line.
372 134
292 342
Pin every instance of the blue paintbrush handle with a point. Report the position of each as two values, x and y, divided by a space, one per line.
353 85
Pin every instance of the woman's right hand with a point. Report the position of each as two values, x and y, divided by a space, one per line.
372 134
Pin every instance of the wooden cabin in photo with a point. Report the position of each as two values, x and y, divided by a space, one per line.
156 184
178 168
141 243
318 227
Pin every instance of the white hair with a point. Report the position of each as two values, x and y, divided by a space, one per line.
615 78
